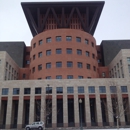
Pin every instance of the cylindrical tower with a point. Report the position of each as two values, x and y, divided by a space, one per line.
63 53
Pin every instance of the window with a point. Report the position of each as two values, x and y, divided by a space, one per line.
27 62
0 61
78 39
58 38
69 64
117 65
124 89
6 64
15 91
48 90
80 65
37 90
113 89
58 64
40 54
58 51
89 77
59 77
120 62
12 70
40 67
103 74
81 89
68 38
33 69
39 78
91 89
80 77
9 67
48 39
26 90
5 91
24 76
128 60
88 66
69 76
102 89
86 41
87 53
92 44
48 52
48 65
94 68
79 52
69 51
93 56
34 56
34 45
59 89
48 77
40 42
70 90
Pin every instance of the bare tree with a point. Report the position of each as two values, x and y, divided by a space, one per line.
118 104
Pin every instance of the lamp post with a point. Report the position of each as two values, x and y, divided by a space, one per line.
80 103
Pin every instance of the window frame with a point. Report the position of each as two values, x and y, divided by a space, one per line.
91 89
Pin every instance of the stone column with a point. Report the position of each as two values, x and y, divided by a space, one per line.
87 108
76 107
98 107
54 108
43 106
65 107
9 110
32 105
109 106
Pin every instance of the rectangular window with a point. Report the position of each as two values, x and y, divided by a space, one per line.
69 51
93 56
33 69
40 67
88 66
24 76
102 89
68 38
34 56
40 54
48 65
78 39
117 65
48 52
59 90
70 90
48 90
58 64
87 53
69 64
58 51
9 67
48 77
120 62
27 90
38 90
92 44
59 77
79 52
80 77
15 91
128 60
69 76
113 89
58 38
48 39
124 89
80 89
91 89
94 68
40 42
86 41
27 62
0 61
80 65
6 64
5 91
34 45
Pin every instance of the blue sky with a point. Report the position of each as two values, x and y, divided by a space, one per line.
114 23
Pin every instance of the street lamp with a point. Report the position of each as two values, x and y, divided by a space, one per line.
80 103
